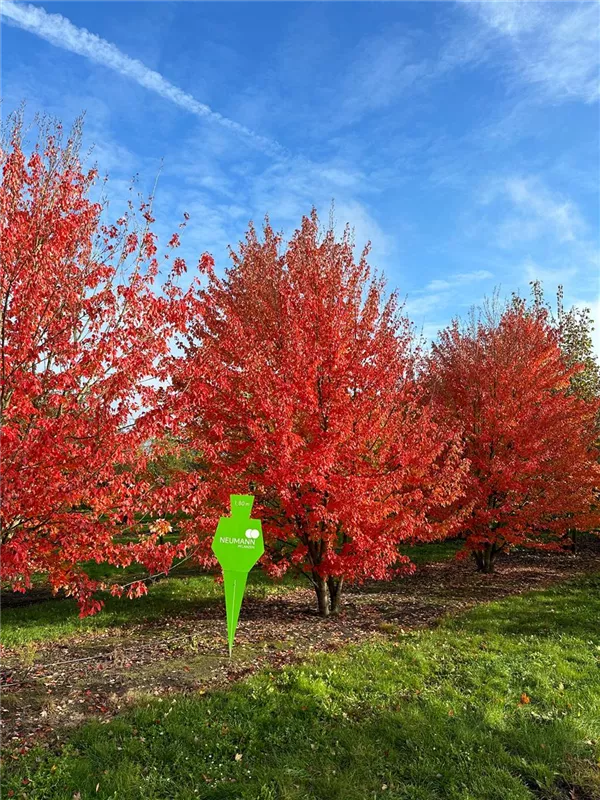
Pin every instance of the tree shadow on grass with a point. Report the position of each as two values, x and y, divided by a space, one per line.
183 597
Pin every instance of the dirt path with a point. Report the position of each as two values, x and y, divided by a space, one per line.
98 675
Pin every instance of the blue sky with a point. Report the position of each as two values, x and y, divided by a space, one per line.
462 139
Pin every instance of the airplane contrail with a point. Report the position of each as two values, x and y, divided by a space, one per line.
59 31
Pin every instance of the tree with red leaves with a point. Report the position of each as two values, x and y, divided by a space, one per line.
528 437
299 387
85 337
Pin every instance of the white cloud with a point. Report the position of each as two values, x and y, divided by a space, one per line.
554 46
365 228
60 32
218 181
538 234
534 211
512 19
430 330
536 201
442 293
458 279
222 194
550 276
420 307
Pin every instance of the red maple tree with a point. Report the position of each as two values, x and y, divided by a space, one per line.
299 386
84 340
528 438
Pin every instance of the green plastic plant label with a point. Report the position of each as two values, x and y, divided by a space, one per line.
238 544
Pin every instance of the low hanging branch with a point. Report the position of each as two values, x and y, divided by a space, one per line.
86 337
118 589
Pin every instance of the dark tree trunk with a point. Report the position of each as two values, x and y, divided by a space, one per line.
322 592
574 541
335 594
486 559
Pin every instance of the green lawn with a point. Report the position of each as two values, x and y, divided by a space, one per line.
183 594
501 703
433 551
51 620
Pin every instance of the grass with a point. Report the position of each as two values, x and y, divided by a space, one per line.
181 595
501 703
433 551
52 620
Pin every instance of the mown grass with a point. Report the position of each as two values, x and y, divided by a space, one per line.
52 620
501 703
182 594
432 551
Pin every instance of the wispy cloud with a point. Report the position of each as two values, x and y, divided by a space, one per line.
420 308
535 211
548 275
539 233
458 279
59 31
554 45
384 68
288 186
222 194
442 292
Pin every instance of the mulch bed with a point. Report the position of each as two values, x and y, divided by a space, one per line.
97 675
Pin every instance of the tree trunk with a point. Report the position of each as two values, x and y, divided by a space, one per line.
486 559
574 541
329 594
323 598
335 593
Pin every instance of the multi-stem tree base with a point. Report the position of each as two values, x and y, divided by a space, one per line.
486 559
329 594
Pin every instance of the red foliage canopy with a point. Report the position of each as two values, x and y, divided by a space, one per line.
84 336
528 438
299 387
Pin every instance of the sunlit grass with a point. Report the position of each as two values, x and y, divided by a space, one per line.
501 703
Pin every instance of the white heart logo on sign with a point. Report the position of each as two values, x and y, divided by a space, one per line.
252 533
